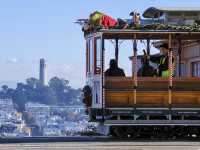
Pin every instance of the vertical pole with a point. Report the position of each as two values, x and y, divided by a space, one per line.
103 77
170 60
170 67
116 50
148 47
87 56
135 68
179 57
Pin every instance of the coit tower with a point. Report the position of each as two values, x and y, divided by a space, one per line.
43 73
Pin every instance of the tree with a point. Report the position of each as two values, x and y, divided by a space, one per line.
32 82
20 98
58 92
46 95
4 88
60 87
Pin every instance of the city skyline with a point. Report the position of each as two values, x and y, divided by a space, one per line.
31 30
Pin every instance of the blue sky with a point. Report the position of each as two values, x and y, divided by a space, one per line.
31 29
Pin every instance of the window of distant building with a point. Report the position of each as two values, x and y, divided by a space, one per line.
196 69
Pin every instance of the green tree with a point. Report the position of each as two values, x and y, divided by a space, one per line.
32 82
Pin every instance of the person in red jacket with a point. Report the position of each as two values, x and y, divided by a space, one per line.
101 19
108 21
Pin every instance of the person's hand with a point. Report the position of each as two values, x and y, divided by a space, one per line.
144 52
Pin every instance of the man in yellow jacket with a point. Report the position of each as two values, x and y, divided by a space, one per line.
163 61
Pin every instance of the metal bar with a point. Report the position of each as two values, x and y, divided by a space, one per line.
116 50
103 76
153 122
135 68
170 67
94 54
161 34
146 32
87 57
148 47
179 57
152 108
147 108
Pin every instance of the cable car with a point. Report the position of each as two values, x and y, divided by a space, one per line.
140 107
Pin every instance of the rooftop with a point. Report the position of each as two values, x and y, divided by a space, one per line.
145 34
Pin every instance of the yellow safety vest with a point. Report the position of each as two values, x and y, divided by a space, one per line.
166 73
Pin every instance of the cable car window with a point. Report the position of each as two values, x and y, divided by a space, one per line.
183 70
87 57
196 69
98 56
91 55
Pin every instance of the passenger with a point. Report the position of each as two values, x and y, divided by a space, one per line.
162 61
114 70
136 19
146 69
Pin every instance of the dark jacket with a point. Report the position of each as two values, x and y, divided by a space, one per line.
162 61
114 72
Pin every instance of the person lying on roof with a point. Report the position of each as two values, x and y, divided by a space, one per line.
114 70
101 19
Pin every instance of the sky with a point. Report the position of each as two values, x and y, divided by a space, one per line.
34 29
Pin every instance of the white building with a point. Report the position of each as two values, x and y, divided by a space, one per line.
173 15
7 105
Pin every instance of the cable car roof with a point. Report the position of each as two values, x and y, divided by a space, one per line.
147 34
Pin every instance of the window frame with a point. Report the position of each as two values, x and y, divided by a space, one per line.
183 72
97 69
87 57
192 68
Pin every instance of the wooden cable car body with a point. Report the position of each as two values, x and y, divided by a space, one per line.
134 103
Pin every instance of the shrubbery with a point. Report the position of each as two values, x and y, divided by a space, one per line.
58 92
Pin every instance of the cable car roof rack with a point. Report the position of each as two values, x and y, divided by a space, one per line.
144 34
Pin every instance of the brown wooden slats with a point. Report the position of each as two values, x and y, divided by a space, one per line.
152 92
150 84
153 84
126 99
119 98
152 99
186 85
185 98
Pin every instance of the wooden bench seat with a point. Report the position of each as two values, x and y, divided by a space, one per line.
152 92
153 83
159 84
185 85
151 99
